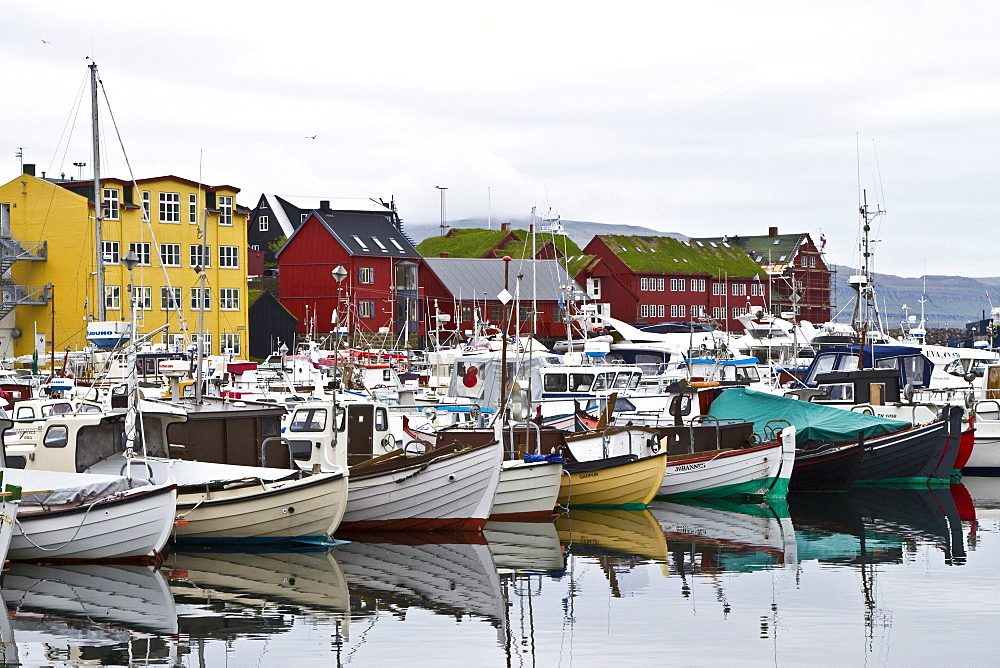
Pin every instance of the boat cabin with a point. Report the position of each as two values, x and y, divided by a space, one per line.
324 434
873 375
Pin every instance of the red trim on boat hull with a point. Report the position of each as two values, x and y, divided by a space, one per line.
536 516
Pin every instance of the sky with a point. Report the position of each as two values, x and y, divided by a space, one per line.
702 118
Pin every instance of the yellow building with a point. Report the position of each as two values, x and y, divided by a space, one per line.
48 259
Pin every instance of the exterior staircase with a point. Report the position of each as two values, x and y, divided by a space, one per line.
11 294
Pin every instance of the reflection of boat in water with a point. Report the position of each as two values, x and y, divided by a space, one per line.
726 535
433 572
985 495
310 580
876 525
612 531
525 546
106 596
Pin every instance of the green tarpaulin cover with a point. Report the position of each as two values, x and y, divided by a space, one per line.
811 421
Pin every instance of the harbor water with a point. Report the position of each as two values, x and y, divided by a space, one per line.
874 577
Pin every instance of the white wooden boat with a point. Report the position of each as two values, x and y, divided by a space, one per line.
10 500
214 502
89 517
130 596
761 470
985 457
448 489
527 491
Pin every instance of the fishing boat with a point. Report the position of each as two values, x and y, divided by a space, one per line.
627 481
73 516
450 487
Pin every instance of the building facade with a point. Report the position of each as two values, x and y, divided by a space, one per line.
174 226
661 279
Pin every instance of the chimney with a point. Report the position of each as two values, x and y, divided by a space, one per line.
531 228
324 204
444 254
29 169
504 227
772 232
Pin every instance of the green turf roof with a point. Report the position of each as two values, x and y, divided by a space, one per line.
779 249
471 242
670 256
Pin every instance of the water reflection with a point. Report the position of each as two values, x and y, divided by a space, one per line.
518 591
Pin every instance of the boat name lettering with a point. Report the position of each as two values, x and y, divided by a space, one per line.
589 475
689 467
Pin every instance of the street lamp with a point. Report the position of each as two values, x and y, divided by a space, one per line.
131 260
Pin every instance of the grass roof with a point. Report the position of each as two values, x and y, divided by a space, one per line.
669 255
472 242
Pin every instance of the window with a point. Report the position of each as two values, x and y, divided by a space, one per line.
206 343
678 310
56 437
678 284
229 256
697 285
302 217
366 309
111 252
205 301
380 245
698 311
112 206
170 255
660 283
196 256
229 299
175 342
225 210
170 298
594 287
262 223
739 289
644 311
738 311
465 313
308 419
644 284
661 310
170 207
580 382
396 244
145 205
193 209
141 250
230 344
406 276
803 261
496 313
366 275
112 297
359 242
143 297
756 289
719 312
554 382
718 288
812 260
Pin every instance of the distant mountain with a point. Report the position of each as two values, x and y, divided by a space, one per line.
952 301
579 231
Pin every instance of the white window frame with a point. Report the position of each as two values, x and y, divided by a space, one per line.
111 204
262 223
643 284
230 344
644 310
193 208
141 249
229 299
229 257
594 287
193 296
145 205
170 208
194 253
661 310
719 312
143 295
718 289
170 255
166 298
225 205
113 297
112 249
207 350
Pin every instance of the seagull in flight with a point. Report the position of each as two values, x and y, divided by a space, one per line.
45 41
312 136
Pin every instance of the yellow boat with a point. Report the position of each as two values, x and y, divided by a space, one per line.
617 481
613 530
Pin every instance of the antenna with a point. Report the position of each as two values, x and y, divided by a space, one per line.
20 157
79 166
444 214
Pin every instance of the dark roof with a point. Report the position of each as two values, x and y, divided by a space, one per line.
476 278
364 233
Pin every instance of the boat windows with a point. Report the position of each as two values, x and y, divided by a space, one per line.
269 426
747 374
60 408
580 382
381 419
308 419
838 392
56 437
621 382
25 413
604 381
554 382
301 450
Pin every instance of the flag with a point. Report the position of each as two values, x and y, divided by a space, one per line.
822 241
562 302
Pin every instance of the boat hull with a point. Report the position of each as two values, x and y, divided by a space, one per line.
527 491
451 492
618 481
298 509
907 457
828 467
8 513
723 474
132 525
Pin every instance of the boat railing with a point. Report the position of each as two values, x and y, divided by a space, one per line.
772 428
987 413
275 439
538 438
126 469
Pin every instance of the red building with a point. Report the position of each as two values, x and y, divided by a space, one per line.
662 279
377 268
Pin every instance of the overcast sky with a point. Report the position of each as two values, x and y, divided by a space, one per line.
703 118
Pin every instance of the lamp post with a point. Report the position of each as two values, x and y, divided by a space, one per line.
130 260
339 274
444 214
504 299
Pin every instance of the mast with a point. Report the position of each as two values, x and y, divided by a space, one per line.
98 195
865 315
